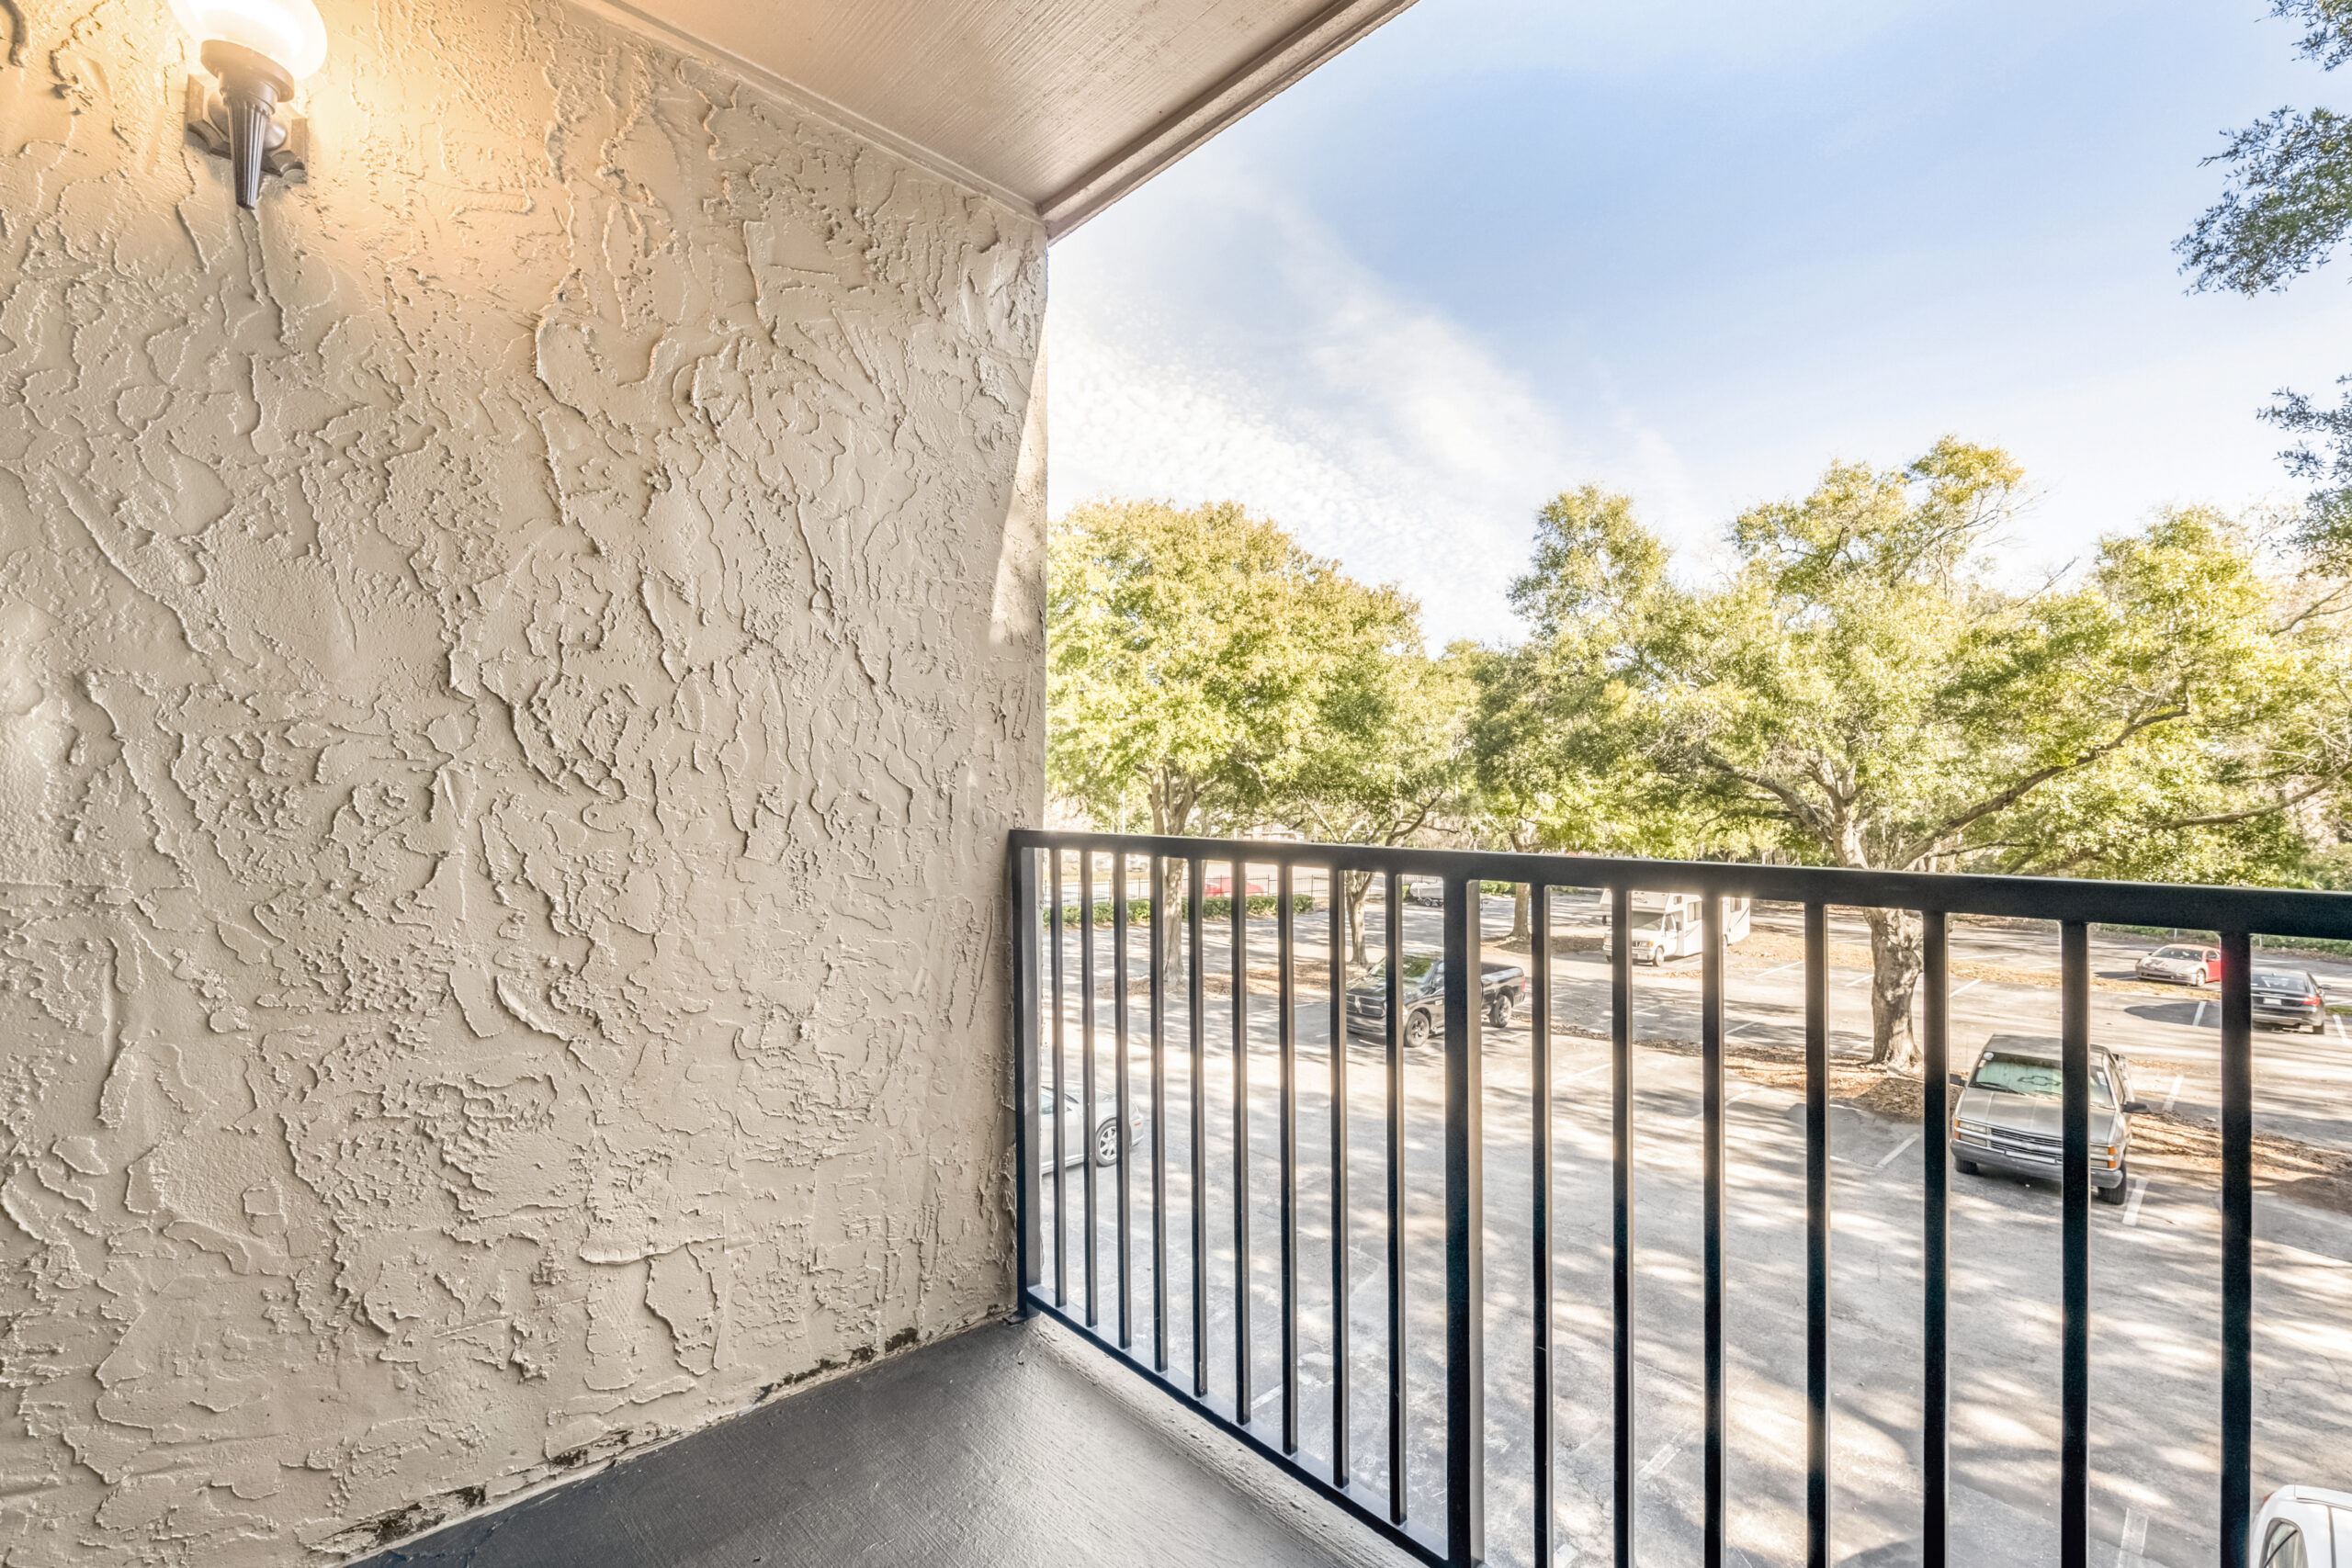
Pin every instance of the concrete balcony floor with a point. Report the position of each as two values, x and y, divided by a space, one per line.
1011 1444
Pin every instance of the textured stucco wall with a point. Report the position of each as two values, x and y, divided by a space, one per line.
514 669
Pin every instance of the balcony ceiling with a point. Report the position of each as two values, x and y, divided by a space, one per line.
1061 106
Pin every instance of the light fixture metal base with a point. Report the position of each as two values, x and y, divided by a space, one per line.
288 141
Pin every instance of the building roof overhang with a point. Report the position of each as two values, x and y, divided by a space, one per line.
1057 106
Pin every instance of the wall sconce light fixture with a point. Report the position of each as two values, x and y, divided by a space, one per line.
257 50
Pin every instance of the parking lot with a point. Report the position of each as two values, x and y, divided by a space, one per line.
2156 1364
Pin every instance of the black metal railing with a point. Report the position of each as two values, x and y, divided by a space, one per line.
1039 983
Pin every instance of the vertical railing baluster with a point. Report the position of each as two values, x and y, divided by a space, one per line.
1241 1347
1196 899
1621 1138
1086 1067
1394 934
1335 906
1539 1071
2237 1246
1119 1091
1061 1105
1817 1250
1466 1226
1286 987
1935 1138
1710 1090
1028 1253
1158 1116
2075 1123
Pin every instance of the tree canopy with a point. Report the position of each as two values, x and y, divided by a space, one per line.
1200 665
1388 761
1858 690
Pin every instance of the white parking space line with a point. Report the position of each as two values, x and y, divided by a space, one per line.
1975 982
1775 970
2172 1096
1658 1460
1895 1153
1856 981
2338 1020
1589 1072
1729 1033
2198 1022
2134 1541
2131 1206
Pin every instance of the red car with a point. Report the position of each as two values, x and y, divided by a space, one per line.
2183 963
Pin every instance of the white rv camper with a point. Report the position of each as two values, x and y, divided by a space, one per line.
1670 925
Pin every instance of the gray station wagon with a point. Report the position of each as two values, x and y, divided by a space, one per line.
2009 1116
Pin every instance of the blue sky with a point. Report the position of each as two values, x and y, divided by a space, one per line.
1504 247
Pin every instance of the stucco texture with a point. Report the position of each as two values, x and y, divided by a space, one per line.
515 666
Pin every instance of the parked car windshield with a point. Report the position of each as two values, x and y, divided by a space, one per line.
2187 953
2035 1076
1417 967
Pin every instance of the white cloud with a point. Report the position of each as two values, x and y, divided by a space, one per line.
1372 426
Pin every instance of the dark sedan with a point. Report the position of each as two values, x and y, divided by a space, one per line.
2290 998
1423 985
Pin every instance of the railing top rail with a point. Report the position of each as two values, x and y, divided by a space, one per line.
2271 911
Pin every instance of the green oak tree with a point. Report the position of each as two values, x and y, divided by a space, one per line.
1389 761
1858 689
1535 788
2286 208
1197 661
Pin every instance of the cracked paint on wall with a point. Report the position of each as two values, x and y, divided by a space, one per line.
515 670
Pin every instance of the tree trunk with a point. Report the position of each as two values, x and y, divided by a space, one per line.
1897 958
1172 914
1171 814
1359 888
1524 839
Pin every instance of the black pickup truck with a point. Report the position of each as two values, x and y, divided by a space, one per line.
1424 993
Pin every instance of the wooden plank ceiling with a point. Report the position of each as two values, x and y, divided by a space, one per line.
1060 105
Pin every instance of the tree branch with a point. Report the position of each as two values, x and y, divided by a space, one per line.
2223 817
2001 800
2321 606
1806 816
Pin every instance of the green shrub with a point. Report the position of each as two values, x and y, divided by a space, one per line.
1259 904
1215 908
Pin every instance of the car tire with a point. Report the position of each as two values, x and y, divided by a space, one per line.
1106 1142
1498 1012
2200 979
1965 1167
1417 1028
2117 1193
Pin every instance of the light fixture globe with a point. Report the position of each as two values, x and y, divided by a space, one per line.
290 32
258 48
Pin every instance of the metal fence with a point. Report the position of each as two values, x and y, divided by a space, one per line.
1040 863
